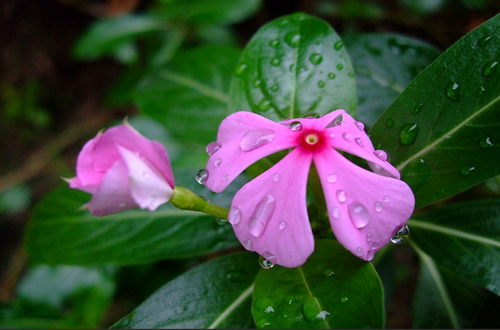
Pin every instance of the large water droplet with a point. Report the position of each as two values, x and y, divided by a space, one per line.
483 41
452 91
262 215
202 176
264 304
257 138
401 235
321 84
234 216
267 260
408 133
347 137
381 154
341 196
486 143
490 69
340 66
331 178
379 207
264 105
248 244
256 83
296 126
217 162
316 58
332 76
338 45
359 252
314 310
466 170
212 148
240 69
359 125
359 142
416 110
274 43
389 123
275 62
359 215
337 121
292 38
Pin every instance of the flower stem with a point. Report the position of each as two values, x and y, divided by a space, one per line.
185 199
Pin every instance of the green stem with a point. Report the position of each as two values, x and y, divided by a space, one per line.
185 199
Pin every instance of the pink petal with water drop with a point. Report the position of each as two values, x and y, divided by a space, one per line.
363 219
269 214
244 138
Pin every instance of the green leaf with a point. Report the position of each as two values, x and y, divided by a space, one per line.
216 294
39 323
189 96
443 131
294 66
59 232
455 301
208 12
463 238
385 63
108 36
333 289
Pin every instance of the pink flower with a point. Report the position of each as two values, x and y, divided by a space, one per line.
269 213
123 170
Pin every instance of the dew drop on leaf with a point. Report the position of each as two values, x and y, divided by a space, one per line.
314 310
274 43
240 69
316 58
416 110
275 61
292 38
338 45
267 260
483 41
329 272
340 66
452 91
490 69
466 170
331 76
264 105
486 143
321 84
408 133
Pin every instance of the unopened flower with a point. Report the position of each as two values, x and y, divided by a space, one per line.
123 170
269 214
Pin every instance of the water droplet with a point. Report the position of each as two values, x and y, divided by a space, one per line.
490 69
416 110
359 142
381 154
401 235
359 125
264 304
344 299
292 38
122 204
452 91
240 69
369 237
274 88
282 225
314 310
332 135
337 121
256 139
483 41
248 244
379 207
321 84
264 105
340 66
212 148
289 299
341 196
466 170
202 176
369 255
296 126
262 215
220 221
329 272
275 62
331 178
217 162
257 83
486 143
336 213
376 245
225 178
315 58
359 252
481 91
387 199
332 76
338 45
234 216
267 260
276 177
347 137
408 133
389 123
274 43
351 74
359 215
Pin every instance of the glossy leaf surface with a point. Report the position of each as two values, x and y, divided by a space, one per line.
384 63
443 131
294 66
463 238
333 289
216 294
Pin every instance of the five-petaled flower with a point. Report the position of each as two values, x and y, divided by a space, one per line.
123 170
269 214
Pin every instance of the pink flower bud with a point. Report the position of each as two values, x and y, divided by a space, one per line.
123 170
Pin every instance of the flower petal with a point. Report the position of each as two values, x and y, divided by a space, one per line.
269 214
148 187
87 178
113 194
244 138
365 208
350 137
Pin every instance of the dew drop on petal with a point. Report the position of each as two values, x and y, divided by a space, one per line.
331 178
212 148
387 199
276 177
336 213
257 138
248 244
376 245
359 215
267 260
202 176
347 137
381 154
262 215
359 252
234 216
282 225
401 235
359 125
332 135
341 196
217 162
379 207
296 126
225 178
369 237
369 255
359 142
